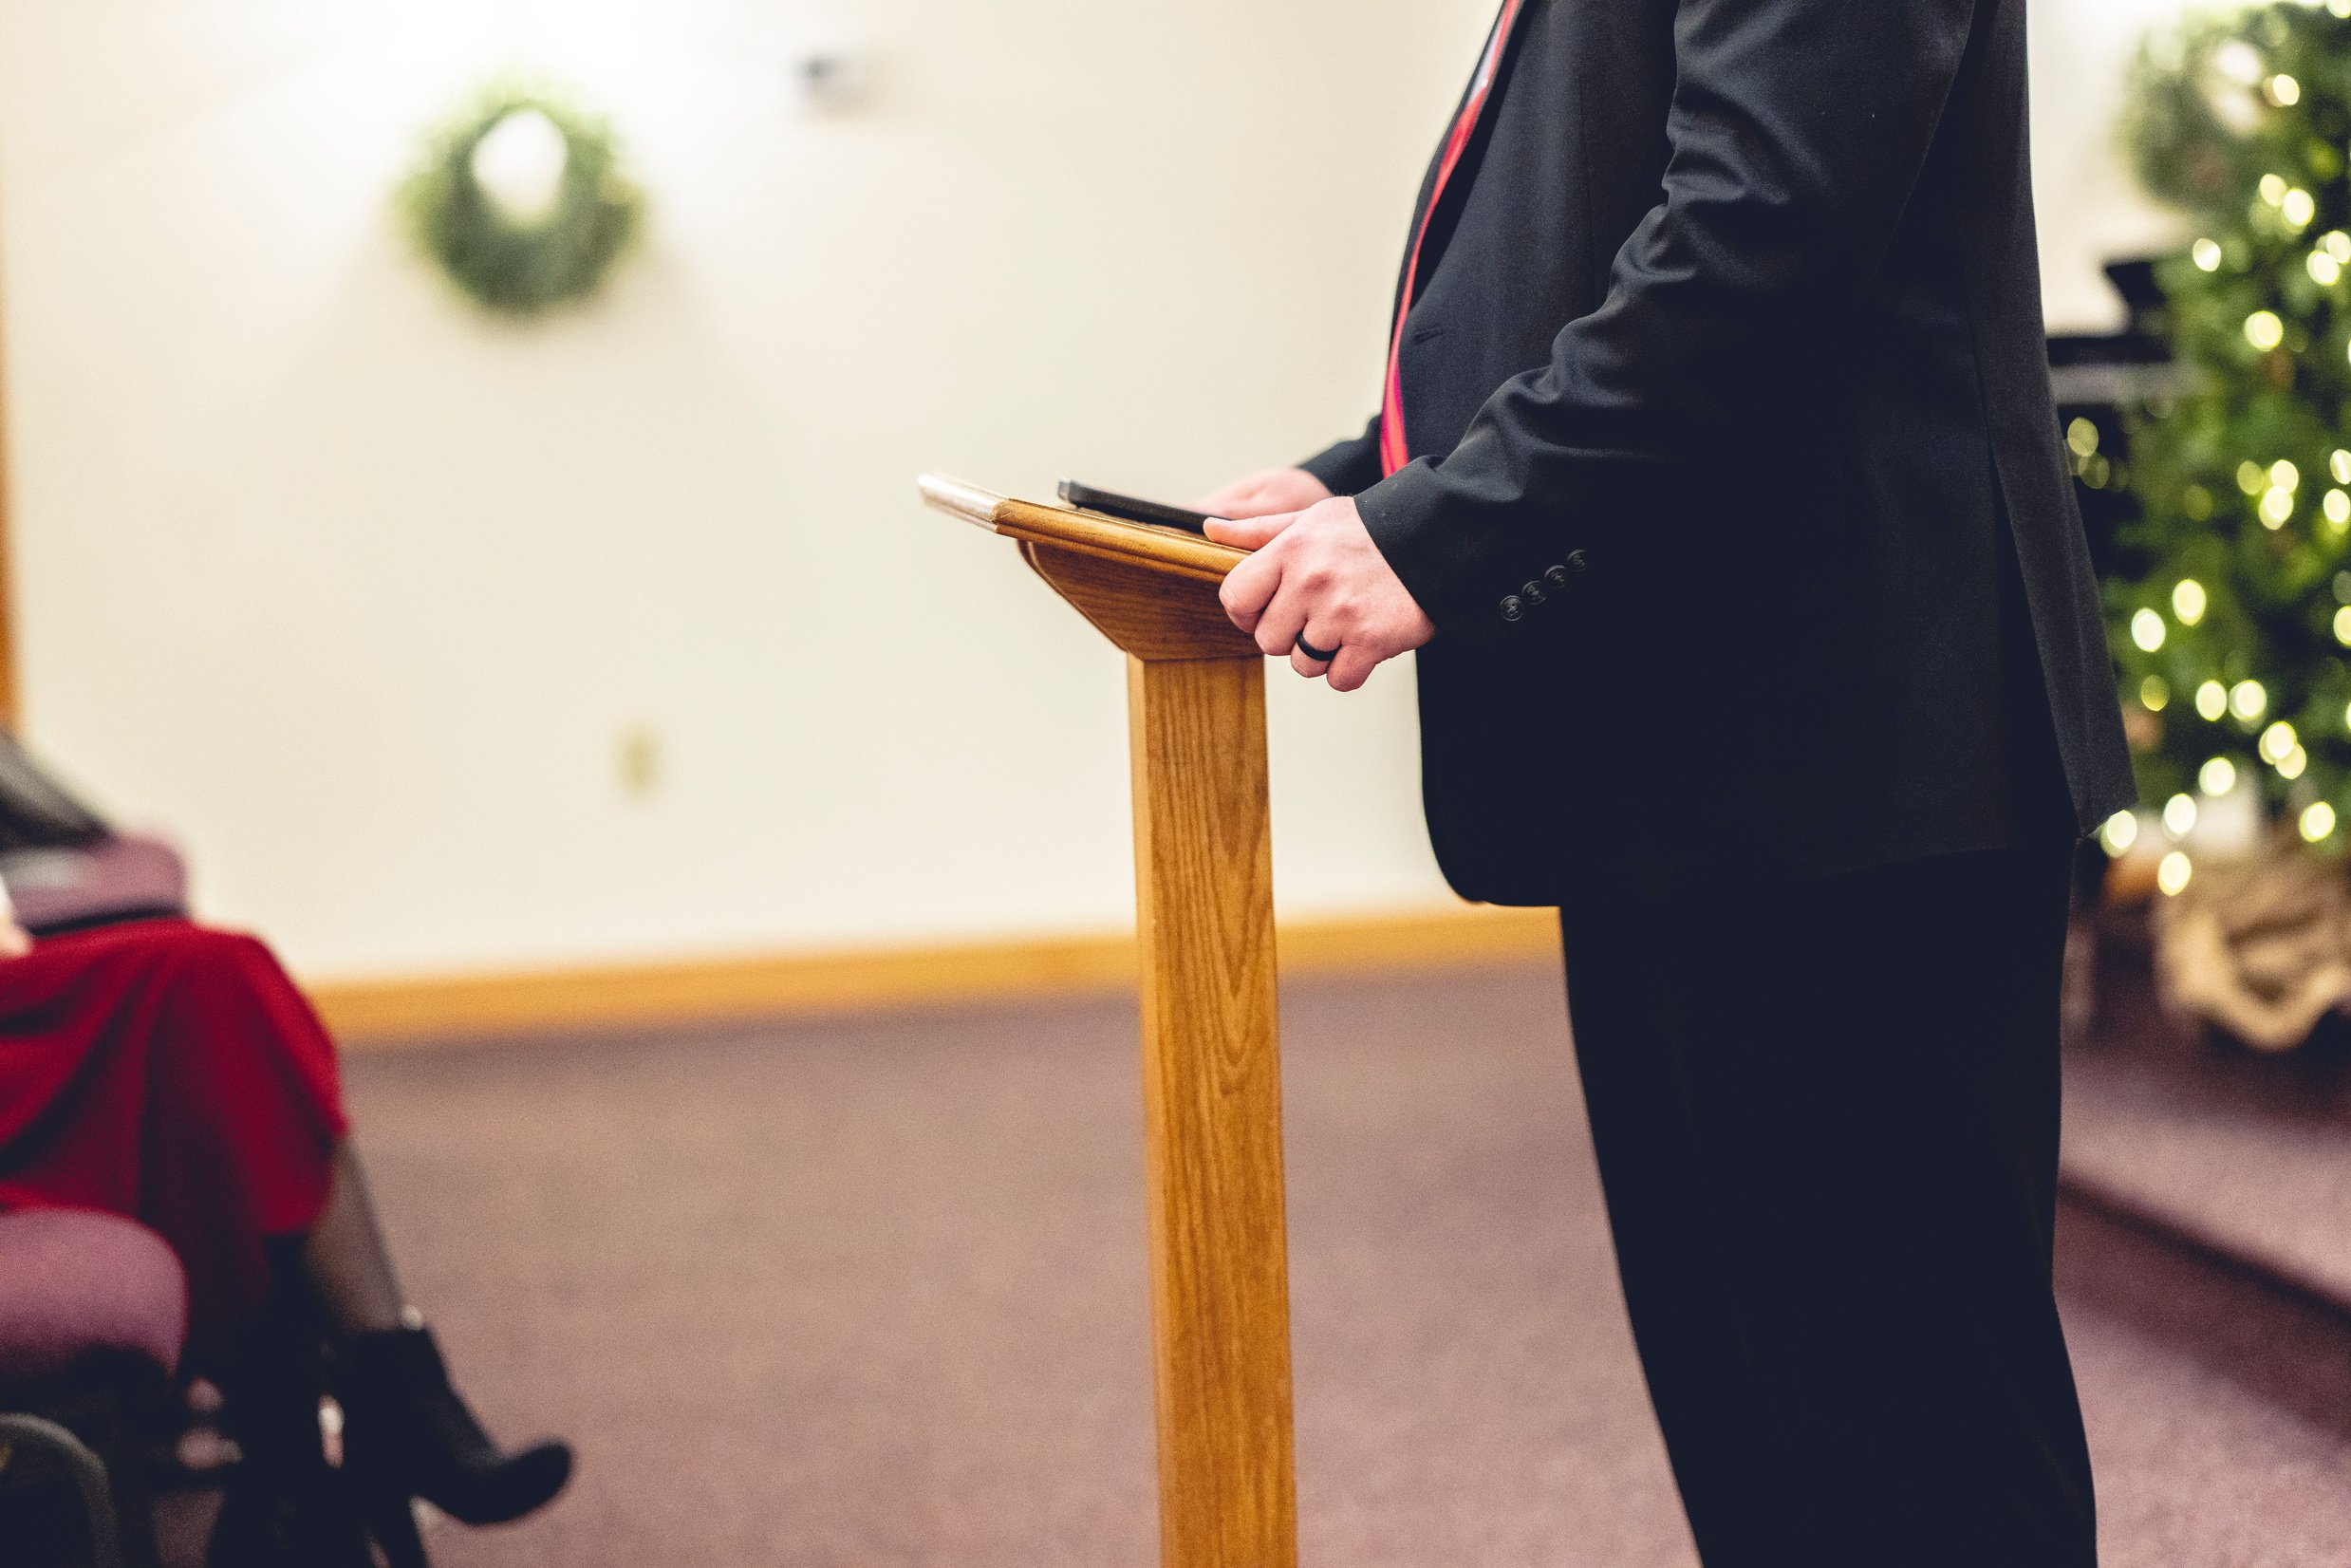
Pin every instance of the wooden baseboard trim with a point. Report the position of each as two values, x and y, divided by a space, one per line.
426 1008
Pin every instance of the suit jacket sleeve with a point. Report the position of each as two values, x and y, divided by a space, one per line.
1351 466
1797 131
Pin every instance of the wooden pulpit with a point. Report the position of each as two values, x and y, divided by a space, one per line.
1211 1060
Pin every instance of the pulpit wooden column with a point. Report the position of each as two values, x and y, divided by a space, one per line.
1211 1060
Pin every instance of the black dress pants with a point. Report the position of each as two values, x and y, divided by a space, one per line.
1826 1115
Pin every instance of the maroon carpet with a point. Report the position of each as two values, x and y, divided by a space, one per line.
871 1293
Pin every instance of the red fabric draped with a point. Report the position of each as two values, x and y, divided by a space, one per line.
174 1074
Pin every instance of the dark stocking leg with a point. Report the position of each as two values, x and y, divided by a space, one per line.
406 1431
277 1373
285 1507
349 1266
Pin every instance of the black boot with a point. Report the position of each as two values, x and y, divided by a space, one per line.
284 1505
406 1433
315 1525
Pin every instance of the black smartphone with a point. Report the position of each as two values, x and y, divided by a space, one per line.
1091 499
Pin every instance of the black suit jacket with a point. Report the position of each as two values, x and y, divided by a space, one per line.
1737 492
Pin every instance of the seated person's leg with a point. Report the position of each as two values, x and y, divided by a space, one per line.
178 1076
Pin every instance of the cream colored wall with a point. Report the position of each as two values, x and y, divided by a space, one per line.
2089 206
359 593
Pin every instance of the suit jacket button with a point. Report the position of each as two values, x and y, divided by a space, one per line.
1576 561
1512 608
1533 593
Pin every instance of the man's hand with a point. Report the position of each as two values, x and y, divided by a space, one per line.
1266 492
14 941
1317 576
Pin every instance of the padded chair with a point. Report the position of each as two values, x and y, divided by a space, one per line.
93 1311
121 876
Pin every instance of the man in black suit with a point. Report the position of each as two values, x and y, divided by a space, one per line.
1718 483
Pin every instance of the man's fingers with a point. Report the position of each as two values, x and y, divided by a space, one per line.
1249 532
1351 669
1321 630
1268 489
1326 578
1278 626
1248 588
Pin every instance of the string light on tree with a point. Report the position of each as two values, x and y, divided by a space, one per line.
2120 832
2179 816
2172 871
2231 589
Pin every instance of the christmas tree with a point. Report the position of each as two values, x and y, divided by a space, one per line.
2230 601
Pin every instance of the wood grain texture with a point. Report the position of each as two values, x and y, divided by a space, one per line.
1212 1114
1168 551
1151 614
1171 550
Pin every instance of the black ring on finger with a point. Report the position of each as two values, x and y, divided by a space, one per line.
1311 652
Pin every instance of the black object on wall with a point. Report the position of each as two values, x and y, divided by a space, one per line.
2096 376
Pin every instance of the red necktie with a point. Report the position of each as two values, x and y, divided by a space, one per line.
1391 401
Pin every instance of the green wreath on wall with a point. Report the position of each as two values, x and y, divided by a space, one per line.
521 200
